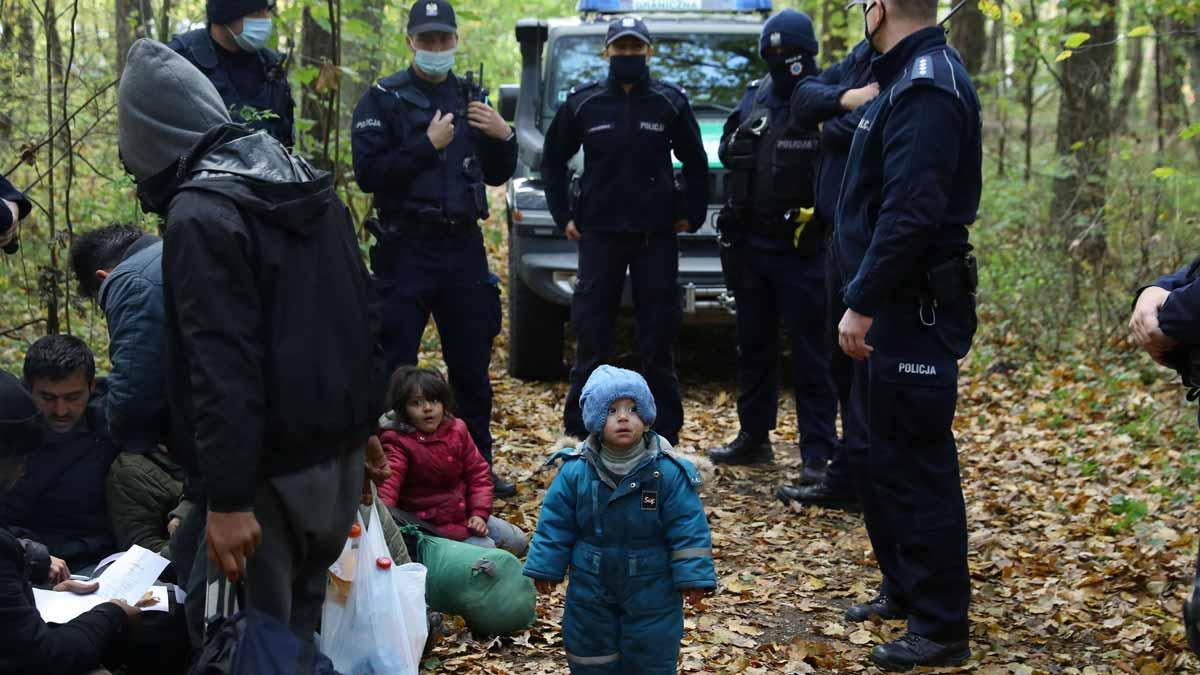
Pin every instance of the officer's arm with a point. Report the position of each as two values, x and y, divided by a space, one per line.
498 157
689 148
837 133
733 122
1179 317
384 160
815 101
688 537
921 148
550 551
562 142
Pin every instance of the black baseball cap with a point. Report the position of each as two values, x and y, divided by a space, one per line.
627 25
431 16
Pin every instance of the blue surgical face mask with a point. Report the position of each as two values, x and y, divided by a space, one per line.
435 64
255 33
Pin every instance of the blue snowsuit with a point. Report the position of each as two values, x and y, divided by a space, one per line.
632 547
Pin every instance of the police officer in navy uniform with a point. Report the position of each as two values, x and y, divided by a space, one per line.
1166 325
773 253
910 191
425 145
231 50
836 99
628 213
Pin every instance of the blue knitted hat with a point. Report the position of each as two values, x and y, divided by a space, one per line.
608 384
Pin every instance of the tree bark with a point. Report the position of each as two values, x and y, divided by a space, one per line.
131 18
1083 131
316 45
1172 69
1135 56
364 58
164 22
969 36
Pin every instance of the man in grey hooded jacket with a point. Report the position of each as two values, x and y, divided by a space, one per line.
271 381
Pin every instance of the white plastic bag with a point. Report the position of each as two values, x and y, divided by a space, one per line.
382 629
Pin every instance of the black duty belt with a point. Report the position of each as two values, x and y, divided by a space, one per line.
947 281
399 227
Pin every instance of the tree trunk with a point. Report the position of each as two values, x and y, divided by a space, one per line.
364 58
1083 132
1172 65
1135 55
969 36
833 29
131 18
316 45
164 22
1025 57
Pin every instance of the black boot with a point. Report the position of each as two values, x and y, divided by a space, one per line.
1191 614
881 606
819 495
814 472
502 487
743 450
913 650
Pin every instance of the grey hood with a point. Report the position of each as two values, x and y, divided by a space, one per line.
164 107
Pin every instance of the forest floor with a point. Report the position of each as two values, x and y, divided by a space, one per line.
1082 525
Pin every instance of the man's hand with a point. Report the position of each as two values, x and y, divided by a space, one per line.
852 335
477 526
485 118
545 586
133 614
232 538
377 468
441 130
694 597
1144 324
682 226
853 98
77 587
59 572
173 525
573 232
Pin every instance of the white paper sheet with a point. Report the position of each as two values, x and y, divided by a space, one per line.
62 607
129 578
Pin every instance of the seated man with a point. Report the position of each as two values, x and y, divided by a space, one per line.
120 268
59 501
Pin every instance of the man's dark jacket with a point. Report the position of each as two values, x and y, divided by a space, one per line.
270 350
29 645
60 502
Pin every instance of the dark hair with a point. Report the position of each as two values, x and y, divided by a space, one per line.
100 249
57 357
410 381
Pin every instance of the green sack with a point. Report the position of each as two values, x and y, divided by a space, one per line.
484 586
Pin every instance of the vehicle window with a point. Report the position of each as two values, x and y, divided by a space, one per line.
714 69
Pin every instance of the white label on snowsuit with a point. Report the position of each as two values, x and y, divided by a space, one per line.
917 369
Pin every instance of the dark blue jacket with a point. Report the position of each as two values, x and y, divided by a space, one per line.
913 177
396 162
60 500
628 182
818 100
269 106
132 301
1179 317
10 193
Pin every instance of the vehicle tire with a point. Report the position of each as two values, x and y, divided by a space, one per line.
535 328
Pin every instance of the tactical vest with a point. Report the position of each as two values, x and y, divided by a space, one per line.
414 206
771 172
270 109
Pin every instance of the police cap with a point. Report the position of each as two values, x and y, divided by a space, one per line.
431 16
627 26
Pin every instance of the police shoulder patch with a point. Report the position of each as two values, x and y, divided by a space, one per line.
672 87
922 68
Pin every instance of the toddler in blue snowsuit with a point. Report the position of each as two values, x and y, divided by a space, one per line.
624 515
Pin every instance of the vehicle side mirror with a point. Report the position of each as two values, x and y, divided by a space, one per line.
509 93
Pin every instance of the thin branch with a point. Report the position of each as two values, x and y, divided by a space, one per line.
17 329
41 144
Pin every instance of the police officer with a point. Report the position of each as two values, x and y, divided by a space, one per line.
425 144
627 213
1166 325
910 191
13 207
231 50
773 253
836 99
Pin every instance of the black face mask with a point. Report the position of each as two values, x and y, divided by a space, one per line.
866 30
787 70
627 69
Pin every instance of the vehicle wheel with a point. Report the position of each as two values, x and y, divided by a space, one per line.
535 328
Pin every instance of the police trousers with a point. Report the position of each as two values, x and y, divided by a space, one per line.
774 288
841 367
623 614
653 265
907 471
448 279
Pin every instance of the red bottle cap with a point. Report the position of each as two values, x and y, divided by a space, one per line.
355 531
383 562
